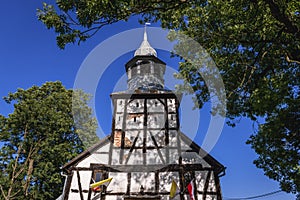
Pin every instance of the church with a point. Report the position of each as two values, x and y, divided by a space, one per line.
146 156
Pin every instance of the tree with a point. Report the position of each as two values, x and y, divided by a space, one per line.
255 45
277 144
38 138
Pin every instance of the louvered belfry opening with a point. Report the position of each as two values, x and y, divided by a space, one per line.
146 151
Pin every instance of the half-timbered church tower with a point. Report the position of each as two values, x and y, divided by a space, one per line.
146 153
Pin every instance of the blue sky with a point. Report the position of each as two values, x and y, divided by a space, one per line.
29 56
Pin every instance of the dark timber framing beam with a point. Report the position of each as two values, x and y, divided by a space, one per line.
142 168
206 185
91 182
68 186
167 130
79 186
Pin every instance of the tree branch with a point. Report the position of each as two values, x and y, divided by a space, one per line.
291 60
29 174
97 28
30 167
25 163
281 17
13 176
15 194
71 19
3 193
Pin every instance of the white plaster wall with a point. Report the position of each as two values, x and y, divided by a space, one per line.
118 183
171 105
111 197
147 179
131 135
156 121
115 157
193 158
173 138
174 156
74 185
212 185
137 124
74 196
96 158
104 148
154 105
85 178
200 179
159 137
136 157
184 146
119 121
200 196
172 120
165 180
135 106
211 197
154 158
120 105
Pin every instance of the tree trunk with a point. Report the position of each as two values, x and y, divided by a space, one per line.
29 173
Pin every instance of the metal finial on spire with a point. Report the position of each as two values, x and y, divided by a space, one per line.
145 49
145 34
145 31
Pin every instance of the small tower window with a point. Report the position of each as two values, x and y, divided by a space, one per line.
121 102
155 119
119 118
98 176
137 104
129 73
155 103
172 118
138 69
151 67
134 119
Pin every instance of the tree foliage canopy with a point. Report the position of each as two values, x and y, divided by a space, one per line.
38 138
255 44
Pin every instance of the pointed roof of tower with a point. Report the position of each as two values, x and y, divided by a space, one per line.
145 48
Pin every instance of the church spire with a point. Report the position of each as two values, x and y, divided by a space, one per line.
145 71
145 48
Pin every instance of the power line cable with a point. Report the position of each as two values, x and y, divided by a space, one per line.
254 197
